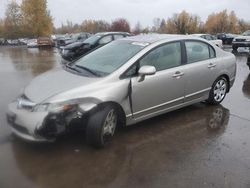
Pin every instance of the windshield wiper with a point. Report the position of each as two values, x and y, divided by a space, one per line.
89 70
72 68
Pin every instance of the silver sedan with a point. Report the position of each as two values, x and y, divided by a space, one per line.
120 84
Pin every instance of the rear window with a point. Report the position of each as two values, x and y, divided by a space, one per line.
198 51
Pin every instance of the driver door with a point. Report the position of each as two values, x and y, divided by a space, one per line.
163 90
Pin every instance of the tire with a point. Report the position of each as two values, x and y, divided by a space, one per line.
218 91
101 126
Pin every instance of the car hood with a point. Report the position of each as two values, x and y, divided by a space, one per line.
54 82
69 41
74 45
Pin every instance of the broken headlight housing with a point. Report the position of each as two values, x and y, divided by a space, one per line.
55 107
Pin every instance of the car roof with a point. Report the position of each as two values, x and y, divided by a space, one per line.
152 38
108 33
200 34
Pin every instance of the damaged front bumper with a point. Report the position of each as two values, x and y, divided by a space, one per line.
39 126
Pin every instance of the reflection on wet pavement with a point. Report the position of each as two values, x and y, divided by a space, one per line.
34 60
197 146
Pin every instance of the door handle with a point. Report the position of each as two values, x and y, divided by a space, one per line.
211 65
178 74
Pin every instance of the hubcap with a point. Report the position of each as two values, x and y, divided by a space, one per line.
110 123
220 90
215 121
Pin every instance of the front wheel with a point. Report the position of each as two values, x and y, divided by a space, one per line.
101 126
218 91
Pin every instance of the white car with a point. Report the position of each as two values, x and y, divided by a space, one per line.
210 38
32 43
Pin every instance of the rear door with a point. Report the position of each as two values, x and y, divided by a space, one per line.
201 69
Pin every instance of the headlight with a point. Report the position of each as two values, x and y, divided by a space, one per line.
54 107
247 40
41 108
234 40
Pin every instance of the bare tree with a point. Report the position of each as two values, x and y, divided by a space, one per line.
120 24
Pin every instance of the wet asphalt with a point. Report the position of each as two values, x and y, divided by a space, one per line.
197 146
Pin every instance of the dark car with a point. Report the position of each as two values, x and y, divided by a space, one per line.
77 49
226 38
241 41
72 38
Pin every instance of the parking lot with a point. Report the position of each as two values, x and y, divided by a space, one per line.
198 146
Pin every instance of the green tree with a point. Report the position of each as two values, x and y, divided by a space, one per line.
12 22
37 20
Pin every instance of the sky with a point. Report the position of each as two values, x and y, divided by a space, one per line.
136 10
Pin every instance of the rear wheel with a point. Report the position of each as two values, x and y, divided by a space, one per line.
218 91
101 126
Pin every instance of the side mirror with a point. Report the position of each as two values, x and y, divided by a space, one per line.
146 70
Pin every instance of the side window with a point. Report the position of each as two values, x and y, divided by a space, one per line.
197 51
118 37
212 52
208 37
203 36
105 39
213 37
163 57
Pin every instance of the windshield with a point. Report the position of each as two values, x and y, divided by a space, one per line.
110 57
75 36
93 39
246 33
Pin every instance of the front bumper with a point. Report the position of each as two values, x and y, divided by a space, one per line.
39 126
24 123
43 126
241 44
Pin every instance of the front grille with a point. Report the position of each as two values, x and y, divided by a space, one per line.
240 40
24 103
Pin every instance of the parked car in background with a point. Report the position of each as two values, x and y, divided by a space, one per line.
241 41
72 38
45 42
77 49
210 38
2 41
32 43
226 38
120 84
13 42
23 41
